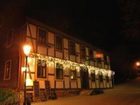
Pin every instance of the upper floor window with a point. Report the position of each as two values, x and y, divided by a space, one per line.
58 43
91 54
7 70
83 52
71 48
41 69
59 71
42 37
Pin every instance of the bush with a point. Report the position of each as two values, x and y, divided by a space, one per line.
8 97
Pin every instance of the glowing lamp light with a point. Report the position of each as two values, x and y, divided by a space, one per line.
24 68
71 77
113 72
29 82
26 49
30 60
137 63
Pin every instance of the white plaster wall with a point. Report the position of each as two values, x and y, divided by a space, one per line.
51 68
59 84
73 84
51 37
79 83
32 31
42 84
66 54
65 43
51 51
58 54
51 79
42 50
66 79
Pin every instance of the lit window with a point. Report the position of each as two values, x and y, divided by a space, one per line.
72 74
93 75
100 76
41 37
41 69
59 71
7 70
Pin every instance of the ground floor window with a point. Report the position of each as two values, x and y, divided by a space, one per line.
41 69
100 76
93 75
7 70
107 78
59 71
73 74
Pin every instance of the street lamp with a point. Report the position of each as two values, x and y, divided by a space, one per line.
26 50
137 67
138 64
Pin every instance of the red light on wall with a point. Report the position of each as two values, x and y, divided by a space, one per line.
99 55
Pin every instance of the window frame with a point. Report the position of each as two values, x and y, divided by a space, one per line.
72 47
83 52
93 76
41 69
75 74
9 71
58 43
57 73
39 38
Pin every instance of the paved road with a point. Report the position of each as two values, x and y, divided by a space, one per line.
125 94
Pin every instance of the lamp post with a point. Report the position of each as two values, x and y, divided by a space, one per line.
26 50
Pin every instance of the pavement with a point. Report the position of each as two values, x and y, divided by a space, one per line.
124 94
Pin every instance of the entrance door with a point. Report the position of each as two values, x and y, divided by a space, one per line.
84 78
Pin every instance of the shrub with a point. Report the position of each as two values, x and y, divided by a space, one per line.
8 97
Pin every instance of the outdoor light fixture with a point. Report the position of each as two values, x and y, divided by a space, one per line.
26 50
137 63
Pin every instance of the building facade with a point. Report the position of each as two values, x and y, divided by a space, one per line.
57 62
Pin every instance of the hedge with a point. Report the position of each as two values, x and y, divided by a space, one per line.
8 97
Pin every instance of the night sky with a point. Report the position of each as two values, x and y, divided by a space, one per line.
93 21
112 25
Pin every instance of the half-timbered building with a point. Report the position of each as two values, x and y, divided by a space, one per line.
57 63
